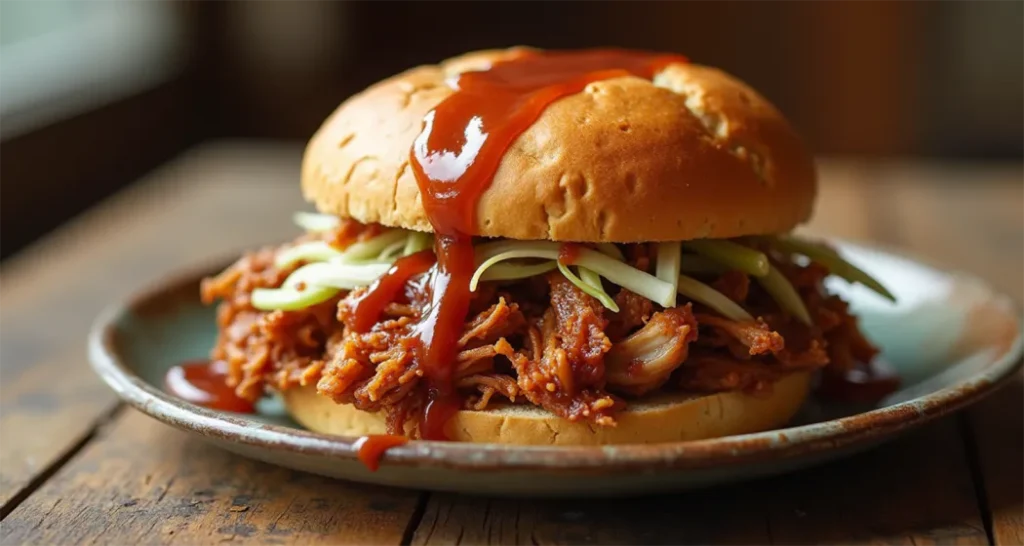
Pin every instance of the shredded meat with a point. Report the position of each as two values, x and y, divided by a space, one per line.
734 285
755 336
262 348
634 311
643 361
580 323
539 341
712 372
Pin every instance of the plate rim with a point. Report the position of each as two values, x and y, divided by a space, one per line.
775 444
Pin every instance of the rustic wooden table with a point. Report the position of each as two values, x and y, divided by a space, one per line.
77 467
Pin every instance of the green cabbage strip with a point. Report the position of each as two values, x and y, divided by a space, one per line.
755 263
732 254
507 253
615 271
609 249
393 251
667 265
320 281
591 278
314 221
700 292
313 251
319 251
513 271
417 241
289 299
832 260
776 284
596 292
336 275
366 250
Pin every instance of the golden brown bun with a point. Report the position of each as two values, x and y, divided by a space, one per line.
694 154
664 418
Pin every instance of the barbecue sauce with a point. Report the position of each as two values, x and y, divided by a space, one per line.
454 158
368 307
859 386
568 253
204 383
371 448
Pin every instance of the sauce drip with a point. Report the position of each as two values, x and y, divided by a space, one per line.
371 448
454 159
204 383
370 305
568 253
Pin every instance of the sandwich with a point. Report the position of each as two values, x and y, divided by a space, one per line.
551 248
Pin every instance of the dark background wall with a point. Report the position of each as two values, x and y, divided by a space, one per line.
878 79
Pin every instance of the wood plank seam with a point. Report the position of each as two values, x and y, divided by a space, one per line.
415 519
974 463
37 481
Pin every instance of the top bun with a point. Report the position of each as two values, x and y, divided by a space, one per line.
692 154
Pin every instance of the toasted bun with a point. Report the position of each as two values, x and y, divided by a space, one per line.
664 418
693 154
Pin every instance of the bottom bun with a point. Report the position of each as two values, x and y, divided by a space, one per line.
662 418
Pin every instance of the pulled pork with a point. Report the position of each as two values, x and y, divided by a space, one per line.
539 341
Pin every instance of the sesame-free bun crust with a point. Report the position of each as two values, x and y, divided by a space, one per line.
695 153
661 418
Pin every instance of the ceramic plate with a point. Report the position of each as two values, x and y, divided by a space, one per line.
950 337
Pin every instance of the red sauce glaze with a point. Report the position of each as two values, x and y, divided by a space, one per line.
371 448
204 383
436 415
370 305
858 386
454 159
568 253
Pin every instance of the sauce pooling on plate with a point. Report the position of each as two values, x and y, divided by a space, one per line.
204 383
454 159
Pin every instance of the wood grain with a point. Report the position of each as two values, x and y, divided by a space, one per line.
902 493
972 220
208 203
42 417
141 482
996 426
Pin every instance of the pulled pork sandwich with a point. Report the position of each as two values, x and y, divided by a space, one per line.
546 247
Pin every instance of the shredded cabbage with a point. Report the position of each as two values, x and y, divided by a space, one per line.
417 241
314 221
591 278
667 265
508 253
698 291
313 251
393 251
731 254
289 299
616 272
628 277
366 250
782 291
831 259
345 276
512 271
319 281
319 251
609 249
596 292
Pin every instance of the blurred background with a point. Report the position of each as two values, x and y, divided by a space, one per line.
95 94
